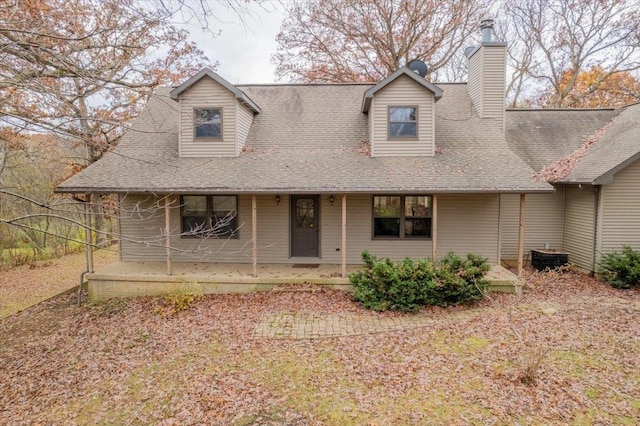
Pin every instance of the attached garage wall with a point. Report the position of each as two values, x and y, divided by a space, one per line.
466 224
578 230
620 211
543 222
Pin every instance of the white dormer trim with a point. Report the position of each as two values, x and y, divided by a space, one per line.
208 72
368 95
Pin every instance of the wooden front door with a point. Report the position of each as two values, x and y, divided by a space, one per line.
305 230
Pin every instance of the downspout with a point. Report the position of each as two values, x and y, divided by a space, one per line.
595 229
89 256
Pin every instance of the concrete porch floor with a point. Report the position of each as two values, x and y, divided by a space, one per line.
123 279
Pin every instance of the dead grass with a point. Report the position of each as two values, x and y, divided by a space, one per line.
120 362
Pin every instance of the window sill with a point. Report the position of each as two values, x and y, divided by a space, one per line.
400 138
209 237
401 239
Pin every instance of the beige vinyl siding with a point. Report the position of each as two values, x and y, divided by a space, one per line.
142 222
359 234
543 222
578 228
208 93
494 81
620 213
487 82
370 123
141 227
402 92
467 224
245 118
474 85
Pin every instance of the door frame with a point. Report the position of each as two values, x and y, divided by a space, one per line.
292 213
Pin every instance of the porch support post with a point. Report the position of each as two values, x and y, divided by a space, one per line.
88 233
343 247
167 231
521 236
254 234
434 227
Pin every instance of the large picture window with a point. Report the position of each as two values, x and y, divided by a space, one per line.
207 123
402 216
403 122
213 216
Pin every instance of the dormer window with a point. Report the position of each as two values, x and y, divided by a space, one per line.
207 123
403 122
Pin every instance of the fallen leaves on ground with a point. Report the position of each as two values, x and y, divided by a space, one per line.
26 285
121 362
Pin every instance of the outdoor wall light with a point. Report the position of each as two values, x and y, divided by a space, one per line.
331 199
277 199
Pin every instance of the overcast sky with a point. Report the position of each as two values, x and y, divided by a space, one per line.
243 50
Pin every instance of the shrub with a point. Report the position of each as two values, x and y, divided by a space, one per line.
410 284
621 270
384 284
178 301
461 281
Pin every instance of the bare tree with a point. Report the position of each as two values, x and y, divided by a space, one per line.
365 40
554 41
62 210
83 69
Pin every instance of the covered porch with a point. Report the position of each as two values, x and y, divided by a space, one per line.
125 279
165 271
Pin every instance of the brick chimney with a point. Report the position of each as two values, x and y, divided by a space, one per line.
487 75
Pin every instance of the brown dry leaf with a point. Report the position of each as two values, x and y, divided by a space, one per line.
119 362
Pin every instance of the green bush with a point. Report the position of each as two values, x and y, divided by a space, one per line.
461 281
410 284
621 270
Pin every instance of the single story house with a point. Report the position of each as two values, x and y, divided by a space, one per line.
212 173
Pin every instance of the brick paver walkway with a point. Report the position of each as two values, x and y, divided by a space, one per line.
311 325
314 325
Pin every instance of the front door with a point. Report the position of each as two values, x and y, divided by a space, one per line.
305 231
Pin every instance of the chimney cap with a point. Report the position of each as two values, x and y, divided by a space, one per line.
487 29
486 23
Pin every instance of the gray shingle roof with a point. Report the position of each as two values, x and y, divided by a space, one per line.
308 138
618 147
541 137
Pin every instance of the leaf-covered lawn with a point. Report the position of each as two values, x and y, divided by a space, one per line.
124 362
26 285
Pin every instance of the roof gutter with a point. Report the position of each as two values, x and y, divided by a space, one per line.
274 191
